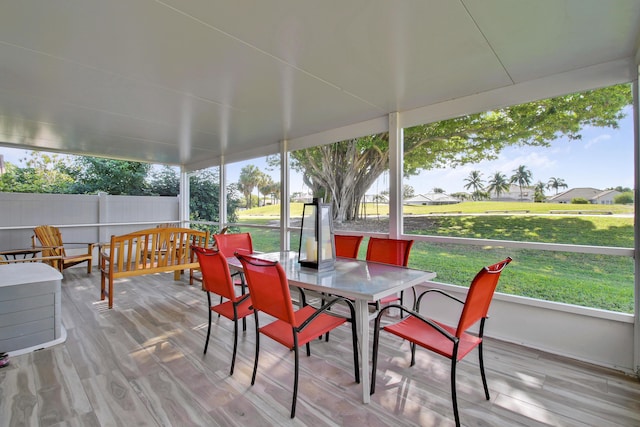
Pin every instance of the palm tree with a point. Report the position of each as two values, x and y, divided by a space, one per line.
538 193
522 177
498 184
274 192
556 183
474 180
249 178
407 192
265 183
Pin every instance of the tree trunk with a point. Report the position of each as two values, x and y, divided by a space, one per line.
342 172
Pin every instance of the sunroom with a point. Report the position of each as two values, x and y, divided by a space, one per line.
200 85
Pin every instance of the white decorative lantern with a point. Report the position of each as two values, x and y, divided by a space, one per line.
316 248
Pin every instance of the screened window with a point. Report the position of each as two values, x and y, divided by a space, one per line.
554 171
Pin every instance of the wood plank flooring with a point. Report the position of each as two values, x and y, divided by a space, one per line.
141 363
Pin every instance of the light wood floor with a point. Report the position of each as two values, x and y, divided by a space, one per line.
141 363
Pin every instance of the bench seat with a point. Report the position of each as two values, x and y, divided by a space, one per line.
155 250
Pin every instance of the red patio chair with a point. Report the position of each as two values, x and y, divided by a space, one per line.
216 279
269 289
389 251
229 244
452 342
347 246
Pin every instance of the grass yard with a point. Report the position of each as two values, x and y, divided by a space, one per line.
373 209
599 281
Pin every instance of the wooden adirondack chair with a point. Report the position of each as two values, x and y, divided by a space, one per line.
52 246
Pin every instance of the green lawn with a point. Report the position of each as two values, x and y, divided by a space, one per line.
599 281
466 207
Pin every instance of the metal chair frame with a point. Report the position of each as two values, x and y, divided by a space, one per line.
216 278
303 325
418 329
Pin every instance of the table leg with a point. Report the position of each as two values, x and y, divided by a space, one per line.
362 313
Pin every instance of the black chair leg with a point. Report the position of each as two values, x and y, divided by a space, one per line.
235 345
454 397
356 356
295 381
243 287
255 363
484 378
413 353
206 343
374 356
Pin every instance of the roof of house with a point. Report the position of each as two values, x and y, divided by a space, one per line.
606 193
587 193
431 198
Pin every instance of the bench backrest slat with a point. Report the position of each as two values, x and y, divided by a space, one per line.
155 248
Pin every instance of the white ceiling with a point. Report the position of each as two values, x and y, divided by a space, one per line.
187 81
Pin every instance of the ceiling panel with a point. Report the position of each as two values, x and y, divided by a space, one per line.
545 37
376 50
187 81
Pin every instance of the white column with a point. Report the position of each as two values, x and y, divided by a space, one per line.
396 152
183 198
222 199
636 191
104 233
285 212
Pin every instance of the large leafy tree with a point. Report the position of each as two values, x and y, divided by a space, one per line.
164 181
117 177
205 197
342 172
50 173
204 189
43 173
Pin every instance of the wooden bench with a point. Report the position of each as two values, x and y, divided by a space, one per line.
155 250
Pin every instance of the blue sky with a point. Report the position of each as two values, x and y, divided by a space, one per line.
602 159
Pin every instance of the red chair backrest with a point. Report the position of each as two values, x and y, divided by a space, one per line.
480 295
389 251
347 246
269 287
229 244
216 276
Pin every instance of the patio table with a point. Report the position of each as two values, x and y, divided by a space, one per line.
24 255
359 280
19 254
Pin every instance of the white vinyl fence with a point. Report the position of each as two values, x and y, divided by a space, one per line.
81 218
